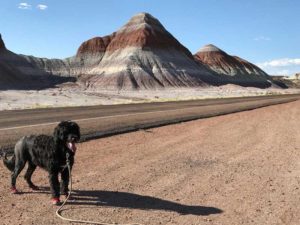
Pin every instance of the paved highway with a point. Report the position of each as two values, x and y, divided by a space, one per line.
98 121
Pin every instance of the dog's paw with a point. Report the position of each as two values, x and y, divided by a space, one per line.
55 201
66 195
64 192
14 190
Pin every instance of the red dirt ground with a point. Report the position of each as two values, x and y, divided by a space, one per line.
242 168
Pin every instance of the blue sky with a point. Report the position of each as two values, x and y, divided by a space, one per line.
264 32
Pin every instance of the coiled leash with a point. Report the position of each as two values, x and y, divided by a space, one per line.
58 211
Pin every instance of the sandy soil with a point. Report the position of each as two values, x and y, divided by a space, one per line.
242 168
77 96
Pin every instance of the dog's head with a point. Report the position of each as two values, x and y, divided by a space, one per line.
68 133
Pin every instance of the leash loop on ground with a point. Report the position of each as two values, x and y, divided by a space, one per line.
59 210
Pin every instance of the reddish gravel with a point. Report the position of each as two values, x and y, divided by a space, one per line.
242 168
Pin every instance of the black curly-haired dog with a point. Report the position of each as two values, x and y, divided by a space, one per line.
49 153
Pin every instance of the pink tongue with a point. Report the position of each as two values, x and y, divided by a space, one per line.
72 146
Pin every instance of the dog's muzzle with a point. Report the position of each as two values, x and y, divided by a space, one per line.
72 139
71 146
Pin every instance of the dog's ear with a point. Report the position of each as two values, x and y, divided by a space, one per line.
58 133
77 128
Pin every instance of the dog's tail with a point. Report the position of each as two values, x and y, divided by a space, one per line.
9 163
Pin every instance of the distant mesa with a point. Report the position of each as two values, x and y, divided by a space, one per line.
296 76
292 81
142 30
23 72
225 64
142 54
232 68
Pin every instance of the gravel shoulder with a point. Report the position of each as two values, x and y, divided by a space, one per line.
241 168
78 96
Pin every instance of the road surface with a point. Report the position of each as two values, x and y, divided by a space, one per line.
99 121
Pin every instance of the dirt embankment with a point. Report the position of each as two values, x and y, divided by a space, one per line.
242 168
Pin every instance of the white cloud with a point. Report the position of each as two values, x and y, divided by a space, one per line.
24 5
42 7
280 62
262 38
284 66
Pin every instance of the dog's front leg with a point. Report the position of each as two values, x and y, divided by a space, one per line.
64 182
54 187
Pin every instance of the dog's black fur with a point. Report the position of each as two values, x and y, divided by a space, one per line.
47 152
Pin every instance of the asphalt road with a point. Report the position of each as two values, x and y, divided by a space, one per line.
99 121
